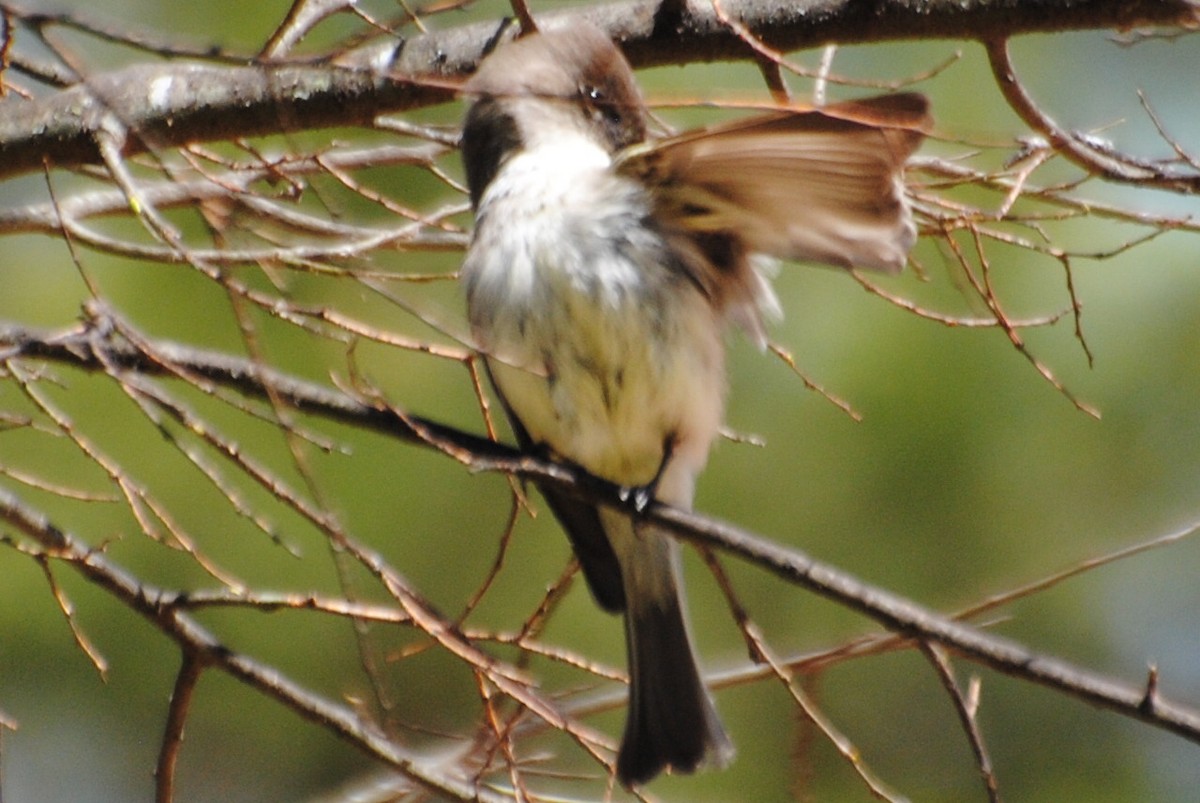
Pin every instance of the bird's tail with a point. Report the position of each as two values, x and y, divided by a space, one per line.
671 723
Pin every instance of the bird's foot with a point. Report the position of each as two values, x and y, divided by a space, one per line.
638 496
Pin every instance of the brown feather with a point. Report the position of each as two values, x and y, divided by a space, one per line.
823 185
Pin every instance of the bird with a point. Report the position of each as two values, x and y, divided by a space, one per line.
605 267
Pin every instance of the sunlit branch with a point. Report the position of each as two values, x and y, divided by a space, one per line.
84 346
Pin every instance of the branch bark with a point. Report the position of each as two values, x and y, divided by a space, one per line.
93 347
153 106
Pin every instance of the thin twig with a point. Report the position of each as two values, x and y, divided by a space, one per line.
966 710
1113 167
190 670
145 600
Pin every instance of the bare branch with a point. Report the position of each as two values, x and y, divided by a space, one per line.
1090 154
152 604
83 347
190 670
896 613
179 103
965 705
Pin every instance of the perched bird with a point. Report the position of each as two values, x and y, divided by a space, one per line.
602 273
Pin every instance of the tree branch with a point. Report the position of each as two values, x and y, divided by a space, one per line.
1087 155
201 645
176 103
94 346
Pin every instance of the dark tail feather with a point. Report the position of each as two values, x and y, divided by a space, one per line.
671 722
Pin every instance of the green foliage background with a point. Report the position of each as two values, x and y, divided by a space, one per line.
967 476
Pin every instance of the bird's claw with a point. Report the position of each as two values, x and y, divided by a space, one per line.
638 496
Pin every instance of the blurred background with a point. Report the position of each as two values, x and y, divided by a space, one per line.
967 475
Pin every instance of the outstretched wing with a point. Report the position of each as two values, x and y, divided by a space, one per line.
821 184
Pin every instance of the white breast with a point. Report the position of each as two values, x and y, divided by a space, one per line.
600 344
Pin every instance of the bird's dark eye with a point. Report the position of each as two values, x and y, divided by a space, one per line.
613 112
601 107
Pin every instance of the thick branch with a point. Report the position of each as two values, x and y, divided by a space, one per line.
95 348
170 104
154 106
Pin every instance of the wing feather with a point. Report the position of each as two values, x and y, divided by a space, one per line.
821 184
